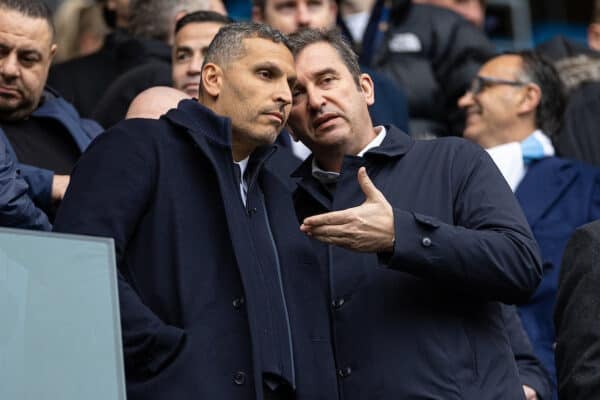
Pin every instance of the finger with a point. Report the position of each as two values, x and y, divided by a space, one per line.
333 231
330 218
367 185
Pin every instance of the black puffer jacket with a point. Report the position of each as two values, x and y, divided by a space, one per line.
433 54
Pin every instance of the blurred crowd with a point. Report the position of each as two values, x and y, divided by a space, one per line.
66 78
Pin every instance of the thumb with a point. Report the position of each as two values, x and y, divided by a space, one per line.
367 186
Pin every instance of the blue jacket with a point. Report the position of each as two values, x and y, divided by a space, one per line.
426 321
81 130
557 196
16 208
195 293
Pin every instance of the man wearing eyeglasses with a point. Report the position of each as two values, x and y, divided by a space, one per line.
514 110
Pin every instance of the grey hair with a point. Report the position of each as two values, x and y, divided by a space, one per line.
155 19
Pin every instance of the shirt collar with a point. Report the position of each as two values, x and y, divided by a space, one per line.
513 158
243 165
324 176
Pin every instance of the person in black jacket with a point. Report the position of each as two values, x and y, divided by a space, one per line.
418 253
218 289
431 52
577 316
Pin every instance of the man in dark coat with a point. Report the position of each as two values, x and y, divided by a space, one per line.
576 316
218 289
16 208
417 261
43 134
514 107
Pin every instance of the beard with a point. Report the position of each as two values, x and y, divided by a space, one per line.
9 111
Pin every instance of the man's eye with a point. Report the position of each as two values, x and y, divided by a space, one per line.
182 56
315 4
265 74
328 79
285 7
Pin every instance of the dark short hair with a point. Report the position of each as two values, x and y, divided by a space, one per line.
539 70
30 8
200 17
305 37
228 45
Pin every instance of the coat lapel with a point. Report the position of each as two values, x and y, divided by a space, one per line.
543 185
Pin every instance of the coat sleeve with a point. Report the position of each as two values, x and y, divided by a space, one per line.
577 316
531 371
40 184
488 251
111 187
16 207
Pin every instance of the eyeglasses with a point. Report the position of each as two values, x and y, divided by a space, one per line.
481 82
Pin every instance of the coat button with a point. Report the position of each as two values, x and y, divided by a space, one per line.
426 242
238 302
239 378
338 303
251 211
345 372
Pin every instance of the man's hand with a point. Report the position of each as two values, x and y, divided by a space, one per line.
530 394
367 228
59 186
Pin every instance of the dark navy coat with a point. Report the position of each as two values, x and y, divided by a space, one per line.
189 263
426 322
16 208
81 130
557 196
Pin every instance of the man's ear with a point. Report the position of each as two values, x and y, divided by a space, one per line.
531 98
212 79
367 88
53 48
257 14
594 36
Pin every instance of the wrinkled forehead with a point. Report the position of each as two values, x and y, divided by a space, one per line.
25 30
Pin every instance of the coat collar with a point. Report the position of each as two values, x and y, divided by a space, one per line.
201 122
395 145
205 126
543 185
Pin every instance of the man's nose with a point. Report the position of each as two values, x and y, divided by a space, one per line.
195 66
315 98
283 93
465 100
9 66
303 15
